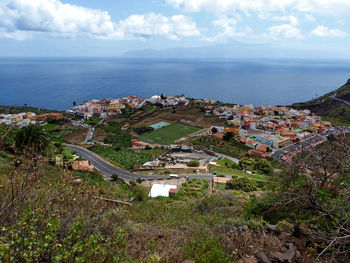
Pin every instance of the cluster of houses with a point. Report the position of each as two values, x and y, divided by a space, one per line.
26 118
266 128
112 107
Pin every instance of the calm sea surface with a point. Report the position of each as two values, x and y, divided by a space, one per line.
56 83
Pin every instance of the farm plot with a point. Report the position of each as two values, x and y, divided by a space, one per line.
167 135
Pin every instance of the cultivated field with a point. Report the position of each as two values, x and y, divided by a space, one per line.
168 134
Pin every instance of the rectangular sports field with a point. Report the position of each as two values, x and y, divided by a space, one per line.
169 134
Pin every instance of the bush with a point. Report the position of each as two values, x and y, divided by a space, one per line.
117 180
38 238
139 193
206 250
193 163
194 188
285 226
142 130
243 184
139 180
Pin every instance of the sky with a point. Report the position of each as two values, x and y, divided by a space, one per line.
112 27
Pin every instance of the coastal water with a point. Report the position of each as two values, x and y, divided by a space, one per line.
56 82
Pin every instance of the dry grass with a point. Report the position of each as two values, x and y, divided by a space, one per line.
77 137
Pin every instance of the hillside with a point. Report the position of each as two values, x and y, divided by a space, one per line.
331 104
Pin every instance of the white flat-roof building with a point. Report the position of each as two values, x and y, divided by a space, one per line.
161 190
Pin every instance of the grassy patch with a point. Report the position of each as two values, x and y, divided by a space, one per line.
336 122
230 148
93 122
115 135
225 169
221 186
49 127
167 135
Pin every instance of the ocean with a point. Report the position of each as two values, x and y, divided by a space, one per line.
54 83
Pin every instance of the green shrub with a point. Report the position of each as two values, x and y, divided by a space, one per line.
242 183
285 226
139 193
39 238
193 163
206 250
194 188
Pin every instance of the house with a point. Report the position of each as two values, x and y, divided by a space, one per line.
218 135
280 143
137 144
218 128
252 144
125 127
258 153
234 131
82 166
266 139
172 192
263 148
158 190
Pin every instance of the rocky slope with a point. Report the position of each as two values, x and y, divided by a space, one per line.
332 104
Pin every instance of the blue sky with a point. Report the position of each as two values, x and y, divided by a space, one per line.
111 27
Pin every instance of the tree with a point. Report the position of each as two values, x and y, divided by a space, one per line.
31 139
314 188
228 136
193 163
214 130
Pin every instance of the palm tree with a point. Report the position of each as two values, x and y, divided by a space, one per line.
31 140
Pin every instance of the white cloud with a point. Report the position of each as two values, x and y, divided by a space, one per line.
229 30
292 19
20 19
282 31
309 18
322 31
326 7
52 16
145 26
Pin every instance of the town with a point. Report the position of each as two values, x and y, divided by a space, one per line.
265 131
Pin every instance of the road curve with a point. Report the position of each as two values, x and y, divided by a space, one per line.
340 100
108 169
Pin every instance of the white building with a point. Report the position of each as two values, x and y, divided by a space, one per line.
161 190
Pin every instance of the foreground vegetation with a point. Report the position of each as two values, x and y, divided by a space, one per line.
47 215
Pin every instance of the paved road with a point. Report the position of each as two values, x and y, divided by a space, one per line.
278 155
108 169
340 100
235 160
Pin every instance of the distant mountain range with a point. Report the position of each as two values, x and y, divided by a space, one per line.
335 104
233 49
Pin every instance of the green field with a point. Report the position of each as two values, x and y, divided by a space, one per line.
167 135
224 169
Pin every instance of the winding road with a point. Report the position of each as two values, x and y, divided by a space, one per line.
340 100
108 169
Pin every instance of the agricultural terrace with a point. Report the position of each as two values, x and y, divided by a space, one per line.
169 134
127 158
